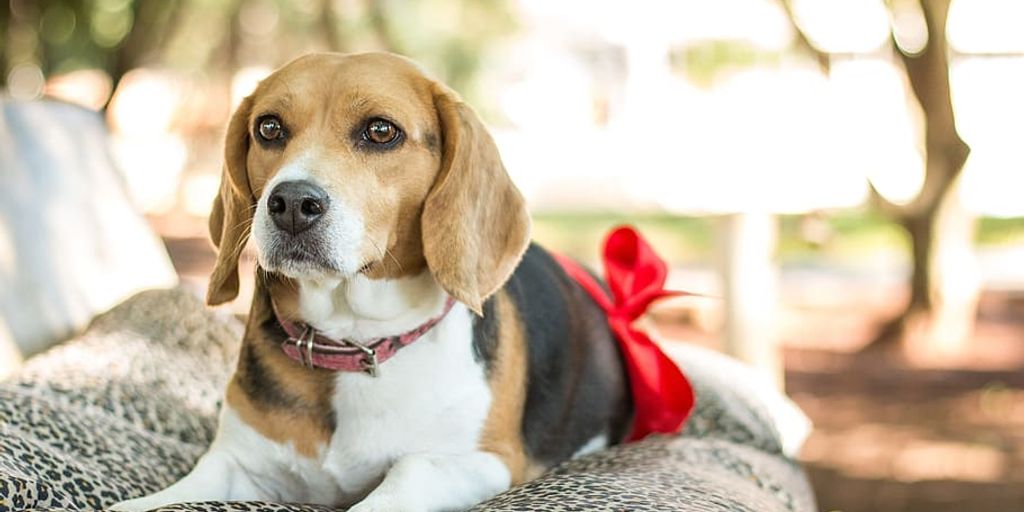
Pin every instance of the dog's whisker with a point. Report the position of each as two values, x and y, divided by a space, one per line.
380 254
242 240
383 253
393 258
244 223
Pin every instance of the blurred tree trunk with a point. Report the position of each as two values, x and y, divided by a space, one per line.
378 17
333 37
943 284
5 26
747 243
153 22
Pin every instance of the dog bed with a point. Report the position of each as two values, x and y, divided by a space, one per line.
126 408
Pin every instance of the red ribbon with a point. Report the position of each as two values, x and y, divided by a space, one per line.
662 396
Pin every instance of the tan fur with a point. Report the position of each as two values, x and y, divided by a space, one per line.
448 206
442 201
502 434
303 422
320 112
475 223
231 216
306 436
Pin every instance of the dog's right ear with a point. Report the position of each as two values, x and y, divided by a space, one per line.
475 224
231 217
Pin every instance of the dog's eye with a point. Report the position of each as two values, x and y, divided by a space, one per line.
381 131
269 128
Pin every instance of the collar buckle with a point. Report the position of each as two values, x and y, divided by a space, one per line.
304 343
369 362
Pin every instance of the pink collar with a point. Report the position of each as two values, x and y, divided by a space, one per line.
314 350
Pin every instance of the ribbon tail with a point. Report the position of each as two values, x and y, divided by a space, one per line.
663 397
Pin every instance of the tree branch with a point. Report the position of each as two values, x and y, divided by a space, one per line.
803 43
329 27
378 18
928 74
883 205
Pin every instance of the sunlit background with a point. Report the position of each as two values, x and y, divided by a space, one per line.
773 151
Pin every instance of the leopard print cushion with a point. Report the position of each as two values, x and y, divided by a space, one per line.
126 408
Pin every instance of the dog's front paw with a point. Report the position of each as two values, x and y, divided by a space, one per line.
136 505
385 503
144 503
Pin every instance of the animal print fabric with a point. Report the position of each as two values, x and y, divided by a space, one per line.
127 407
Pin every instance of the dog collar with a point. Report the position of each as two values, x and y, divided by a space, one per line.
312 349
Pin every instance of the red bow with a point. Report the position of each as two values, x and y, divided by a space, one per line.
662 396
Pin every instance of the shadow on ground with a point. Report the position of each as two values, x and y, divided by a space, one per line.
890 437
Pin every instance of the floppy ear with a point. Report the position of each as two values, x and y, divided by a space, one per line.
475 225
231 217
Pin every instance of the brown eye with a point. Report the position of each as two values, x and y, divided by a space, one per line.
269 128
381 131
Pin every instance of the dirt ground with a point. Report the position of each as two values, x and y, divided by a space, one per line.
891 434
889 437
897 433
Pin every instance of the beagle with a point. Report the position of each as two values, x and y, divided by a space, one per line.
407 348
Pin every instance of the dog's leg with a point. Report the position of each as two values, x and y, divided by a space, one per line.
426 482
216 477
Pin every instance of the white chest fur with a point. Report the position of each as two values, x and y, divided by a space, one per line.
409 437
431 397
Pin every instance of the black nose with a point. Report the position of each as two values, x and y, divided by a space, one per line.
295 206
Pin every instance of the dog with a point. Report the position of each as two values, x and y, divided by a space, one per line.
407 347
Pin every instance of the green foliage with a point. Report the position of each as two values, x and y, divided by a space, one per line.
450 37
852 235
111 22
707 61
679 239
62 36
1000 230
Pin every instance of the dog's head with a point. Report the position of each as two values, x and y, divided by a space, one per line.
346 164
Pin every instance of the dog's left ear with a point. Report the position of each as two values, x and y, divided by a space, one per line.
232 212
475 224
